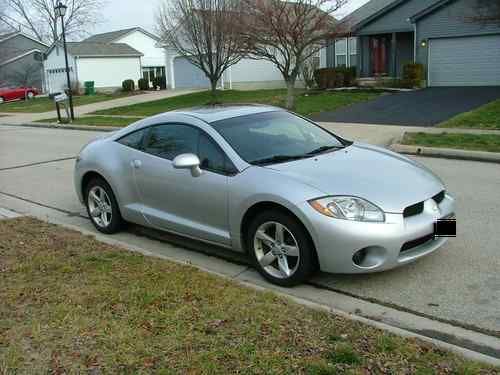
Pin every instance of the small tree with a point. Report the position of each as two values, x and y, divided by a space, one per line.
289 33
205 32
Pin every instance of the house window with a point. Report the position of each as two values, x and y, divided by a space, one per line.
346 53
341 52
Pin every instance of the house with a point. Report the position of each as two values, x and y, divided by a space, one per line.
246 74
439 34
107 65
21 60
153 60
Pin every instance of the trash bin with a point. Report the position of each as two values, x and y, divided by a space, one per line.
89 87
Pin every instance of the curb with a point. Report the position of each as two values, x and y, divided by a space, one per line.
67 127
448 153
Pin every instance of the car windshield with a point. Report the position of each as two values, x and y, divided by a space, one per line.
274 137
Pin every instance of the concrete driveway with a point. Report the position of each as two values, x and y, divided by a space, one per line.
460 283
427 107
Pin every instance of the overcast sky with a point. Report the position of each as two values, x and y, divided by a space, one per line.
121 14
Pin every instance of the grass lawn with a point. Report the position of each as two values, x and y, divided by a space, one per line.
477 142
307 103
71 303
98 121
485 117
44 104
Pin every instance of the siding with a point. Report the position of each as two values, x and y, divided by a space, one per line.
25 71
153 55
397 18
56 81
450 21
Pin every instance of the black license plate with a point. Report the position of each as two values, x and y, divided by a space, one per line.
445 228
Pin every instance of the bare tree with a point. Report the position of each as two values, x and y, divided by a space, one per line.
205 32
289 33
37 17
487 11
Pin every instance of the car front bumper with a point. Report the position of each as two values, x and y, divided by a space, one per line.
345 246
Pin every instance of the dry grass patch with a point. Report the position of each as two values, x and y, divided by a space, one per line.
70 303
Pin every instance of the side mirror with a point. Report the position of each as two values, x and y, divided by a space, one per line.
188 161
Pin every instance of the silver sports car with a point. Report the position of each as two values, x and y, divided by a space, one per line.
267 182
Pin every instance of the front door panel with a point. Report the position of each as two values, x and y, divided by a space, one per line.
174 200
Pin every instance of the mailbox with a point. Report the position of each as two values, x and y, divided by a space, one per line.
61 98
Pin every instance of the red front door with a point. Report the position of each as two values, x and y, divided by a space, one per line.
379 55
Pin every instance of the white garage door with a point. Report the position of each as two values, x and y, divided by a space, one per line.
187 75
469 61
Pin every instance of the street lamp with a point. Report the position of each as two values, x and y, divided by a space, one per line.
60 11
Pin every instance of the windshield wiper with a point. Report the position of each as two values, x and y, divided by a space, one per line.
322 149
278 159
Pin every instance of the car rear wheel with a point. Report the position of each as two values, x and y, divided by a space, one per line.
1 100
30 95
102 207
281 249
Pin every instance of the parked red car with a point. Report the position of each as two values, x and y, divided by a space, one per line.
8 94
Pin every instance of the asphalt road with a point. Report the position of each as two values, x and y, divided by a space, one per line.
461 282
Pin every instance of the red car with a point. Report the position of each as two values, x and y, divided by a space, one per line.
8 94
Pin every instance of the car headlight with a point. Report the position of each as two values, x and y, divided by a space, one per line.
348 208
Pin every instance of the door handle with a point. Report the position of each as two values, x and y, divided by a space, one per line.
136 164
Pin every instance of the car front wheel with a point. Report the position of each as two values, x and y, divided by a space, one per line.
281 249
102 207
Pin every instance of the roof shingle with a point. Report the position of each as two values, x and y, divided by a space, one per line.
101 49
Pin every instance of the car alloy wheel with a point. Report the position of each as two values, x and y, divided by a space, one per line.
30 95
100 208
276 250
1 100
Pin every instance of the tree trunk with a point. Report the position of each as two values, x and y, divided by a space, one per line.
290 93
213 90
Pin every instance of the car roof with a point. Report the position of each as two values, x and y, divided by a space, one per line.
211 114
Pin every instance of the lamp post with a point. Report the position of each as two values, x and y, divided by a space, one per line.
60 11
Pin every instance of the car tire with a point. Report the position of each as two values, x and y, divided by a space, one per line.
102 207
30 95
274 254
2 100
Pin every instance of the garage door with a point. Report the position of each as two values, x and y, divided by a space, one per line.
470 61
188 76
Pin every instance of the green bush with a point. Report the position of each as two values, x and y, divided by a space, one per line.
128 85
413 75
329 78
160 81
143 84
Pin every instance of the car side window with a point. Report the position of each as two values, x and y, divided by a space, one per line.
133 140
211 157
171 140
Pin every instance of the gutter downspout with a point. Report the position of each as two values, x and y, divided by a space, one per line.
414 42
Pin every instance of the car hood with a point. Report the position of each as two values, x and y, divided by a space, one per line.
389 180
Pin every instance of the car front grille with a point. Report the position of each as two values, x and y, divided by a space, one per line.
418 208
417 242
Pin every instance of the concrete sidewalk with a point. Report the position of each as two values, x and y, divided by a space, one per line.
23 118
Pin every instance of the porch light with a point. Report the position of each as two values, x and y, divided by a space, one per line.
60 9
423 43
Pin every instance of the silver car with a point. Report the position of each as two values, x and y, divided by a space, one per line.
264 181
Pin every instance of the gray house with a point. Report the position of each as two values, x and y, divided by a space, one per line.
443 35
21 60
